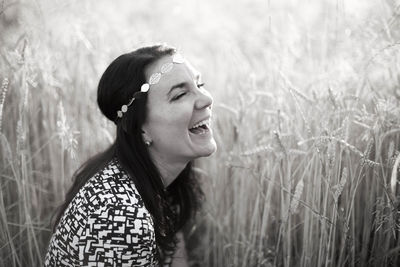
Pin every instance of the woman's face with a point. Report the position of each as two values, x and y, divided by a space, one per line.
178 114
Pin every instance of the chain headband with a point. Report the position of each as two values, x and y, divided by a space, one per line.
154 79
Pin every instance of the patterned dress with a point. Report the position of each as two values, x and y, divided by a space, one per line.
106 224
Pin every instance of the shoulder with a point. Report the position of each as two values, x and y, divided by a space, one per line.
112 184
119 234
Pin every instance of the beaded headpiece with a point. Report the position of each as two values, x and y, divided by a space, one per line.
154 79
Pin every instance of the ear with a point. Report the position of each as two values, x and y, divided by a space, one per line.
146 137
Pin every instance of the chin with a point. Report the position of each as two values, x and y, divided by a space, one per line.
209 150
202 145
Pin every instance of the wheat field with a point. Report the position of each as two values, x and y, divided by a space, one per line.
306 116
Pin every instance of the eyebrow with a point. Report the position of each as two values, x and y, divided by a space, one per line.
182 84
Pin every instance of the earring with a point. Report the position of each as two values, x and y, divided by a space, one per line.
148 143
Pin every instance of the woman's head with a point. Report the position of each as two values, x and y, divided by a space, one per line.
167 113
178 114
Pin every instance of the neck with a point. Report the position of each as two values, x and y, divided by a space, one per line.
168 169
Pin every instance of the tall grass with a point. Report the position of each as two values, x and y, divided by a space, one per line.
306 117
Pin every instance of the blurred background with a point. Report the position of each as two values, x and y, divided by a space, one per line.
306 118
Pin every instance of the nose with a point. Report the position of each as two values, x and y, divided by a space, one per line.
204 99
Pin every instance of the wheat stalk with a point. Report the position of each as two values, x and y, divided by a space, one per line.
3 92
393 178
339 187
278 140
296 197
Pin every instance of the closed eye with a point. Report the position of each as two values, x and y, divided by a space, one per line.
179 96
200 85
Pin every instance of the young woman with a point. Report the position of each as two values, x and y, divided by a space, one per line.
127 205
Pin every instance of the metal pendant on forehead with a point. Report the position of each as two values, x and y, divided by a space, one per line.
167 67
178 58
155 78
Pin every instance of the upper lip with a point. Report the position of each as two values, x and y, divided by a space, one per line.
205 118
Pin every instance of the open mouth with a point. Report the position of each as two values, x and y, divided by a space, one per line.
201 127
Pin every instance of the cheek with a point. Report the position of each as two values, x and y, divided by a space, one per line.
182 118
172 122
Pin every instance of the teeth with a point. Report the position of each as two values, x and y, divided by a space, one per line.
204 122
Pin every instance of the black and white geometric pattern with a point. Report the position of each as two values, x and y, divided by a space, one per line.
106 224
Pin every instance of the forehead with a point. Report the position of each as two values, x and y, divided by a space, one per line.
179 72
